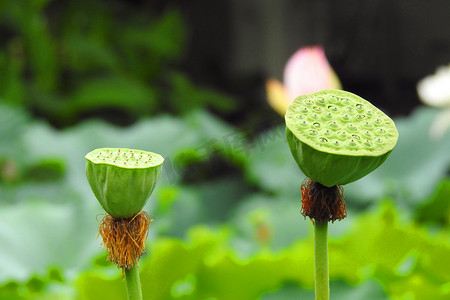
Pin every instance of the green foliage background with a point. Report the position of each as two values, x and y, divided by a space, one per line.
227 222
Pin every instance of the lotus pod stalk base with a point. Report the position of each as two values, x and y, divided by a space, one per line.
321 203
124 239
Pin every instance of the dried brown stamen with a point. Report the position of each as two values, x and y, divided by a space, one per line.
321 203
124 239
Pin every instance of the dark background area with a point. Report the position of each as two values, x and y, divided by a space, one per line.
379 49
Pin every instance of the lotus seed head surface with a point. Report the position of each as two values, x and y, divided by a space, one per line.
125 158
341 123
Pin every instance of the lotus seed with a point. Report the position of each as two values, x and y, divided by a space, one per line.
352 127
304 110
320 101
328 115
327 132
350 110
332 99
342 135
352 143
345 101
314 116
317 125
345 117
377 121
317 108
332 124
368 143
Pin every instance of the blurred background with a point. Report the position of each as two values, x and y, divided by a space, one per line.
204 83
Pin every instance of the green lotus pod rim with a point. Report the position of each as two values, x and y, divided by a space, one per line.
342 123
125 158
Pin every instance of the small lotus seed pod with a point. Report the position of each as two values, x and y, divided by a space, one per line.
342 149
122 179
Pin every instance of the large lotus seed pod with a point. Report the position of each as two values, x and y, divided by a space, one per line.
337 137
122 179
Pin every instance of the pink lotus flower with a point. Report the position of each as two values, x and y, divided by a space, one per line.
307 71
434 90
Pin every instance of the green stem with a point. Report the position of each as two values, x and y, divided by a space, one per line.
321 261
133 283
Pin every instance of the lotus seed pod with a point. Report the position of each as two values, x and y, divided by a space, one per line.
337 137
122 179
